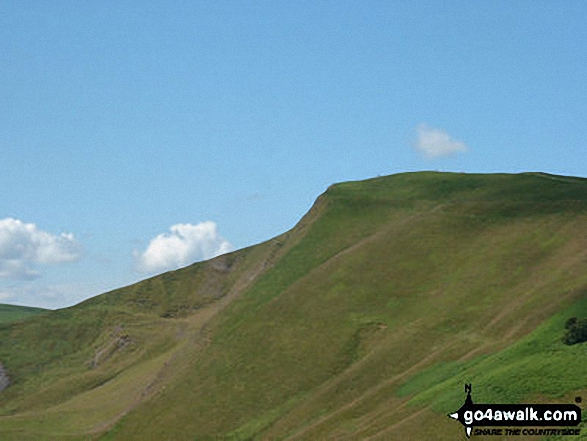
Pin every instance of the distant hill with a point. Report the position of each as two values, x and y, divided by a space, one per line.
11 313
362 322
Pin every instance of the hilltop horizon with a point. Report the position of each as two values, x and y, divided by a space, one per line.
539 173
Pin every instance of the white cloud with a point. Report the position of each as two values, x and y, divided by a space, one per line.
24 246
434 143
44 296
184 244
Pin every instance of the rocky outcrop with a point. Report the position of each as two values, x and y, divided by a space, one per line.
4 380
119 340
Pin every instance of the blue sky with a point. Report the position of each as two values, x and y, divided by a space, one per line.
140 136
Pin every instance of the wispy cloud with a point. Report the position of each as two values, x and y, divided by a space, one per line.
436 143
5 295
23 247
44 295
185 244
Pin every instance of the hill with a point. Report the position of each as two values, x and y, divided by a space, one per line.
362 322
11 313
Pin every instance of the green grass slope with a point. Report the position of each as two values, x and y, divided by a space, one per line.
362 322
12 313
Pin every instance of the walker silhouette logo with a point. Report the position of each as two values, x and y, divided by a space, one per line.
473 415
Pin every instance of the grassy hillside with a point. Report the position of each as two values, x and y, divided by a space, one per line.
12 313
362 322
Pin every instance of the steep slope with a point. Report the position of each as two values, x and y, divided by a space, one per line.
360 323
9 314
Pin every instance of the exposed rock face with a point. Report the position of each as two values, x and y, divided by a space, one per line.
4 380
120 340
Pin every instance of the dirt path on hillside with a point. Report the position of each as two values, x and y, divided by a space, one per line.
194 336
374 390
4 380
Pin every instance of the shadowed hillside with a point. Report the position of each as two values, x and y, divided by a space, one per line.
362 322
